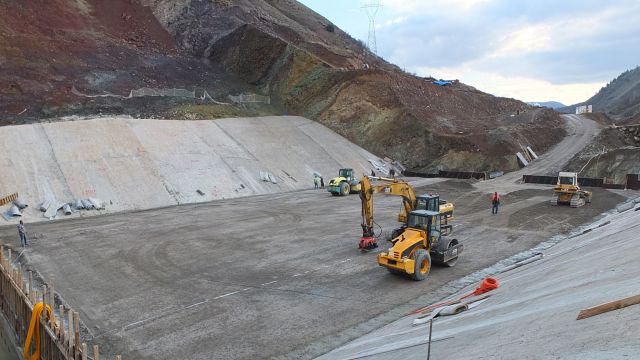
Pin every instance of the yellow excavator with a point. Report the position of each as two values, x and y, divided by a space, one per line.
410 202
420 241
568 192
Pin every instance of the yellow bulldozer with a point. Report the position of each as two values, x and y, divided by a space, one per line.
568 192
420 241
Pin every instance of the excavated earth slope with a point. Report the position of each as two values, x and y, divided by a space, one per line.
288 51
278 48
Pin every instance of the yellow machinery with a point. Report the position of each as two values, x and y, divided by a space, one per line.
419 245
346 183
410 202
568 192
420 240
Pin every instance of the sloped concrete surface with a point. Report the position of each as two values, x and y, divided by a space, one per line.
533 314
134 164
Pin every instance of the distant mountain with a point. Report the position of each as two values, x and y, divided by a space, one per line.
619 99
548 104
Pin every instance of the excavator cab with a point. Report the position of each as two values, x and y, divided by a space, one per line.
428 202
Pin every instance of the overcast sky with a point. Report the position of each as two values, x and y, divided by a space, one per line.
535 50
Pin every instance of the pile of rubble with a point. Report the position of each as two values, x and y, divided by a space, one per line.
50 208
631 133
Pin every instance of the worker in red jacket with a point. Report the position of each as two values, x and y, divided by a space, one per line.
495 202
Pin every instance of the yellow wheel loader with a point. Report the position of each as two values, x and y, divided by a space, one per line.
567 191
345 184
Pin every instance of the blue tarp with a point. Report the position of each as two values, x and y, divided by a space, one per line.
442 82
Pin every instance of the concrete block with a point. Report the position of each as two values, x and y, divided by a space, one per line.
522 160
625 206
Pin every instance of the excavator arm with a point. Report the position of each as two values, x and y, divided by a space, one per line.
384 186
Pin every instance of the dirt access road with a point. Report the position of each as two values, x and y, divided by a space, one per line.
273 276
580 132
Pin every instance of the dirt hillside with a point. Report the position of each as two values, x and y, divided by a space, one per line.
277 48
613 154
619 99
616 151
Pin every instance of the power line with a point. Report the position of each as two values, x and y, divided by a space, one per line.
372 8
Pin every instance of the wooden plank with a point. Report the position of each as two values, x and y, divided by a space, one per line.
610 306
61 330
76 340
8 199
70 333
32 298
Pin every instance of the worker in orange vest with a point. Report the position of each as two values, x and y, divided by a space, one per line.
495 202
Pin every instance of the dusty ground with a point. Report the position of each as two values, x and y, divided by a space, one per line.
282 270
532 315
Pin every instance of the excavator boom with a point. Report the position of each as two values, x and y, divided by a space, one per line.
389 187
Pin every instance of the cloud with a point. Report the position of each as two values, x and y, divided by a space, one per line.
518 87
391 22
421 6
530 38
558 47
555 48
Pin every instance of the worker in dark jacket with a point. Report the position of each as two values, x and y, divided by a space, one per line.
23 234
495 202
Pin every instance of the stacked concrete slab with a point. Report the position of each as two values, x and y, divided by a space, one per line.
140 163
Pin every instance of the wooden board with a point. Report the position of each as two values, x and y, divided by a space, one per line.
610 306
8 199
